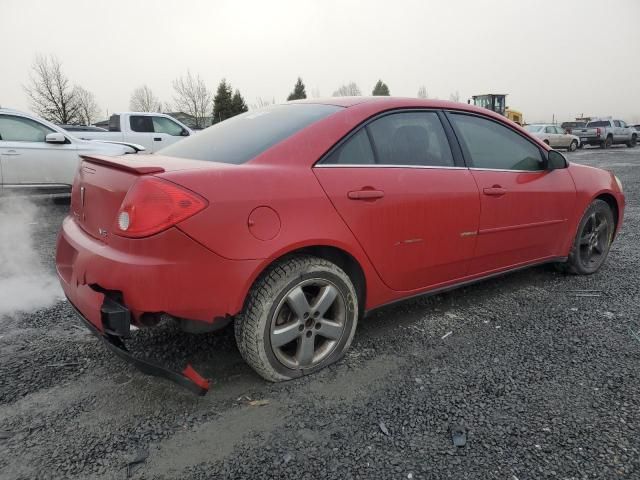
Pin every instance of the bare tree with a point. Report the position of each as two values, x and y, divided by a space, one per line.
261 102
349 90
50 93
455 97
143 100
88 110
422 92
193 97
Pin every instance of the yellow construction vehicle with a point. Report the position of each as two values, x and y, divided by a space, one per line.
496 102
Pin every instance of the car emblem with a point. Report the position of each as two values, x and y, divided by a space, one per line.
103 232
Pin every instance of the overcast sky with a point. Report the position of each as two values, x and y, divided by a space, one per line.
550 56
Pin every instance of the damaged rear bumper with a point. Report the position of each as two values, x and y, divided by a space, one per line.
116 322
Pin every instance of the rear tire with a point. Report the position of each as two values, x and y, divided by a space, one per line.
573 146
607 143
300 316
593 240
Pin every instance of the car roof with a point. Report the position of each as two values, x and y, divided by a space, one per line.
391 102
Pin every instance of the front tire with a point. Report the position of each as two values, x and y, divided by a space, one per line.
633 142
593 239
573 146
300 316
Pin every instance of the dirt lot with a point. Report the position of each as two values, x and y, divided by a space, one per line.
545 381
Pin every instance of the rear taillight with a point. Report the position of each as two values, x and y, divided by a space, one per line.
153 205
597 132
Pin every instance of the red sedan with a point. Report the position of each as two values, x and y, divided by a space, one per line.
295 220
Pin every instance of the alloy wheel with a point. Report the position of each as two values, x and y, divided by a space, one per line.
308 323
594 239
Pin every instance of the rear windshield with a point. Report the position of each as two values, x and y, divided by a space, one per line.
533 128
241 138
602 123
573 124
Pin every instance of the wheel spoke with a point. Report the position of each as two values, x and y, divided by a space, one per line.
330 329
598 248
304 355
285 334
297 301
584 240
325 299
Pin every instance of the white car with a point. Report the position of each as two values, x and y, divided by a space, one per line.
553 136
38 157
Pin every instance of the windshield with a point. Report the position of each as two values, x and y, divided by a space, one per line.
533 128
601 123
241 138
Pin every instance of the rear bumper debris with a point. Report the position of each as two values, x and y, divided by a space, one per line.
116 319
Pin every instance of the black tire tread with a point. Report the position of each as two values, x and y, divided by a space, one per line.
247 325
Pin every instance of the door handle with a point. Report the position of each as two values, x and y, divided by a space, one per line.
157 139
10 152
365 194
495 191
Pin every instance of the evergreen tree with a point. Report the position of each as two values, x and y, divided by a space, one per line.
223 102
298 91
381 89
238 104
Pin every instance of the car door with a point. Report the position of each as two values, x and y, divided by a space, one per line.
141 127
26 159
524 207
413 209
551 135
166 132
563 139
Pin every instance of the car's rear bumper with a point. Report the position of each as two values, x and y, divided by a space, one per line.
168 273
188 378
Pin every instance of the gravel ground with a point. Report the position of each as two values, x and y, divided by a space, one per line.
545 383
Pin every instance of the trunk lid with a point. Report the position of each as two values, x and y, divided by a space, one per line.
102 183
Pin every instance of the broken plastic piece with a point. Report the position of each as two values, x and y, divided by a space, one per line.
458 435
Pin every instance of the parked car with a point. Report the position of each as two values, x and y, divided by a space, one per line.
82 128
605 133
38 157
296 220
553 136
569 126
151 130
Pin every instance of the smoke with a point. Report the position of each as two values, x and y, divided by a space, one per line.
26 284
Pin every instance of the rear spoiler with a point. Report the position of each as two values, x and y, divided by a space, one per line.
123 163
135 146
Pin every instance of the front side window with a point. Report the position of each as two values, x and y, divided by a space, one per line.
164 125
141 123
410 138
494 146
550 130
616 123
21 129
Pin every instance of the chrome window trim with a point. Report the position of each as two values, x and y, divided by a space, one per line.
506 170
375 165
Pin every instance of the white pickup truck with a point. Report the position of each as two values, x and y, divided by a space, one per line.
151 130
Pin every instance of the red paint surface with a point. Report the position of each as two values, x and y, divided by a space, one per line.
430 228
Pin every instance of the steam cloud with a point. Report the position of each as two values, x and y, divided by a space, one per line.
25 283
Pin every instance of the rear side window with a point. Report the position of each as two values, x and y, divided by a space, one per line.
20 129
114 123
355 151
410 138
141 123
494 146
241 138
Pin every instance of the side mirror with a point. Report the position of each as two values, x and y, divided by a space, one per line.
556 160
184 133
55 137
